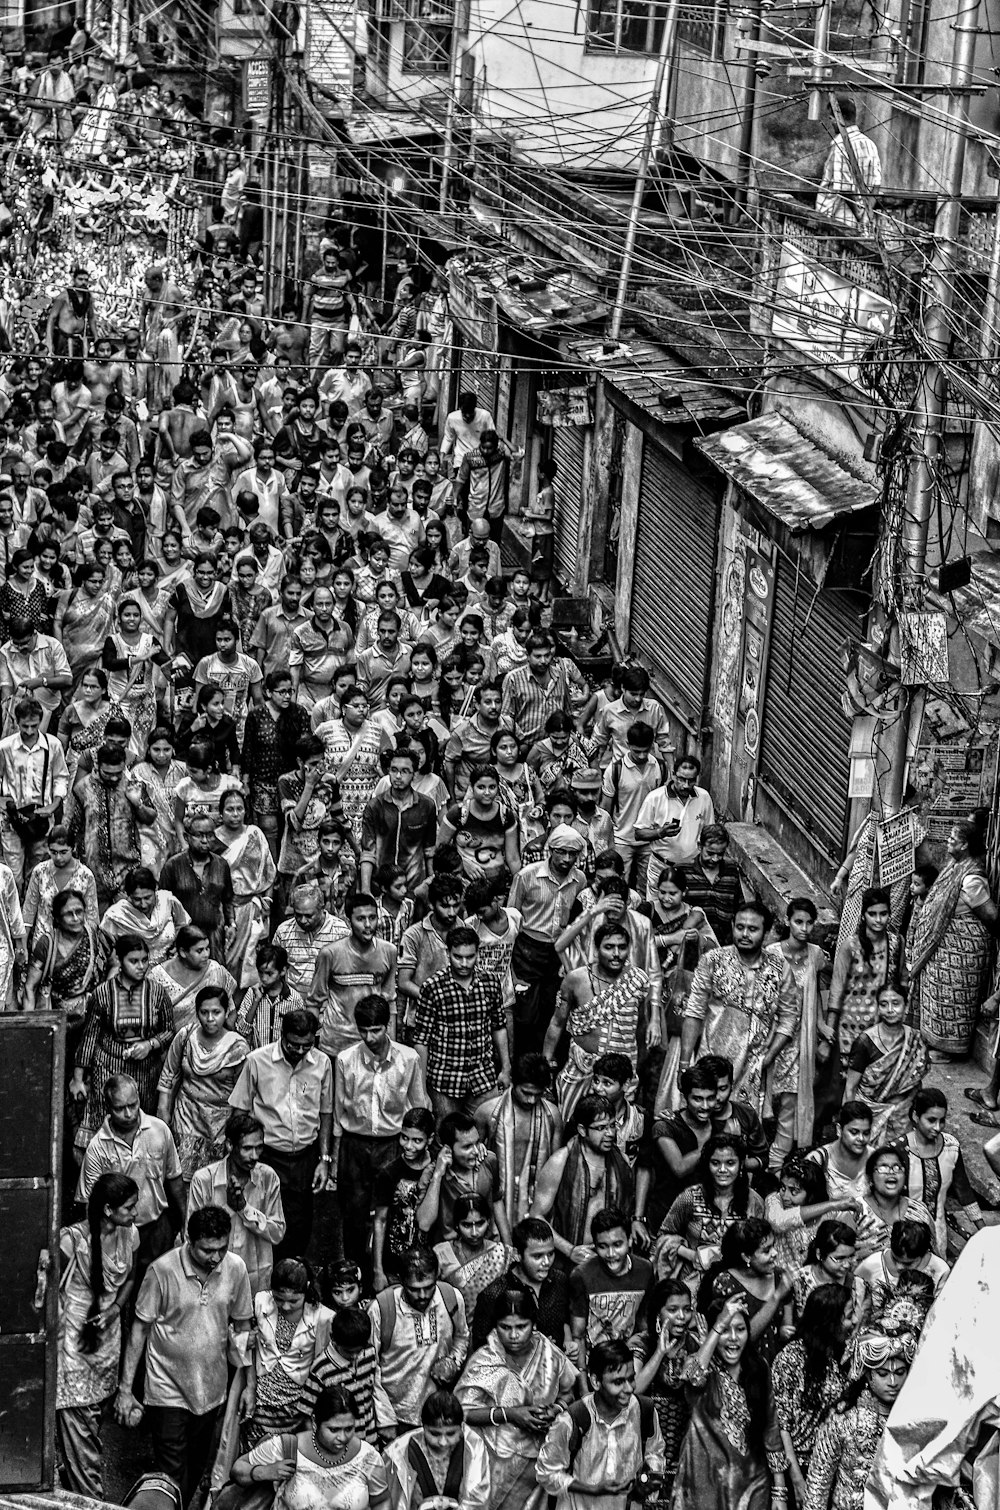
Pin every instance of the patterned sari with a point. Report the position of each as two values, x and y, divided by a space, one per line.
472 1275
544 1376
86 625
889 1084
952 957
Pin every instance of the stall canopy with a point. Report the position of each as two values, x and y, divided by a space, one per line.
658 382
787 473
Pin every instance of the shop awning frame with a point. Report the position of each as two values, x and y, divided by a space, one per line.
787 473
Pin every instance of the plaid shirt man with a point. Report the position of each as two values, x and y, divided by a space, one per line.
457 1027
838 192
527 702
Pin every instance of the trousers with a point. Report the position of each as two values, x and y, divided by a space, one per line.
182 1443
295 1172
78 1443
362 1160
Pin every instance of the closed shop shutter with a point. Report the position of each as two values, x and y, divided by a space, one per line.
569 450
805 740
673 582
478 374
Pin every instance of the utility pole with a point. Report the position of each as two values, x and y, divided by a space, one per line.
748 115
449 120
664 61
929 406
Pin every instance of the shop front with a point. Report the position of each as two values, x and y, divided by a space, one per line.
798 533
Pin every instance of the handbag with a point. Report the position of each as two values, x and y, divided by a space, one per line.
254 1496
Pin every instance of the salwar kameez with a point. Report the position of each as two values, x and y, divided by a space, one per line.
85 1380
115 1020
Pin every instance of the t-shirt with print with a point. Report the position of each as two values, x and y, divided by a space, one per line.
398 1190
609 1303
233 678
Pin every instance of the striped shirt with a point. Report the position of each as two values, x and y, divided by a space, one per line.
357 1375
260 1017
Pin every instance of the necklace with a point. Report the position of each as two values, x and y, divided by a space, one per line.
328 1457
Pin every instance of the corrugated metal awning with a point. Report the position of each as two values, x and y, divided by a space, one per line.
787 473
373 127
658 382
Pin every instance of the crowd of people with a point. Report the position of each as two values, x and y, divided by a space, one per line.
447 1123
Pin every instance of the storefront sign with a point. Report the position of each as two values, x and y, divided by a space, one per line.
959 777
896 856
825 314
257 86
558 407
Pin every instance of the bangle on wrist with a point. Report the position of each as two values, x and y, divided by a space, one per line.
326 1158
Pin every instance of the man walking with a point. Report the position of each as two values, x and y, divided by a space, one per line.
460 1024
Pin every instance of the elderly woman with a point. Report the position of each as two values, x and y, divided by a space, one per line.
511 1391
952 953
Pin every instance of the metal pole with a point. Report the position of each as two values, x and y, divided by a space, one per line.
748 115
820 60
385 243
663 62
930 402
449 120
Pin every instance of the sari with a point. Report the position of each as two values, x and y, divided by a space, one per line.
85 738
133 690
203 1076
157 931
86 624
153 611
952 958
472 1276
889 1083
254 871
544 1376
718 1467
158 840
182 994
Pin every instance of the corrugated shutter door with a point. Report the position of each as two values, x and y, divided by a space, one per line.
478 374
673 582
805 739
569 449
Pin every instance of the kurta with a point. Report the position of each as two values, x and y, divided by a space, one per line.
742 1008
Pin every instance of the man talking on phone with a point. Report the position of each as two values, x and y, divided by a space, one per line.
671 819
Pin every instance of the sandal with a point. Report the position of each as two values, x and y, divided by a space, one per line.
973 1093
983 1119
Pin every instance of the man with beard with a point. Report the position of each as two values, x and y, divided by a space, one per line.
543 893
523 1129
583 1178
745 1005
111 806
603 1005
420 1335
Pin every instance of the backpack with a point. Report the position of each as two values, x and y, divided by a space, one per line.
386 1301
580 1417
617 766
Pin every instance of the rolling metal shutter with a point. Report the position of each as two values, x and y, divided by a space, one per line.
569 449
805 739
478 373
673 581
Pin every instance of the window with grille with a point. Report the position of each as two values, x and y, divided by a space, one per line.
634 26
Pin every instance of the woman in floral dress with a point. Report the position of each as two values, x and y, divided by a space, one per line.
97 1256
353 744
676 1332
873 956
84 619
128 657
